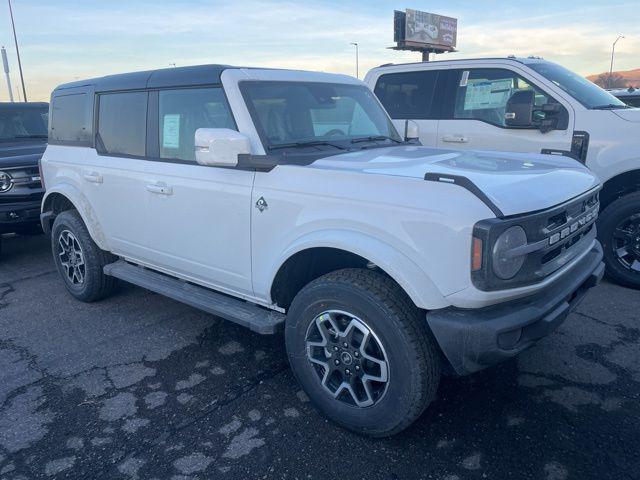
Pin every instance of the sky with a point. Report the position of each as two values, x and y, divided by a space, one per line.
68 40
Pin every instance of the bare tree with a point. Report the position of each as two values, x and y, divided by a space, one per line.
616 80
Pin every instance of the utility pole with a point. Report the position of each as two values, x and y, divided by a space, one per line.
5 63
357 60
15 39
613 51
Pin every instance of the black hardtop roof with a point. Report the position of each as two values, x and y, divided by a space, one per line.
24 104
162 78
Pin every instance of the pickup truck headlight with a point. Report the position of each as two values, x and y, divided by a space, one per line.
507 262
5 182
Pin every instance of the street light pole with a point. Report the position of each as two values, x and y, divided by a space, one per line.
613 51
5 64
357 60
15 39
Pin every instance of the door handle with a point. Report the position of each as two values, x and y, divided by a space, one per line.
160 188
92 177
455 139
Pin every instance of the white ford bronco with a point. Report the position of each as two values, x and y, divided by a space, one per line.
287 200
529 105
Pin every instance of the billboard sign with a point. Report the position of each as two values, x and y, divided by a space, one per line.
427 29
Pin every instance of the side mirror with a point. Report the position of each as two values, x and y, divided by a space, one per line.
220 146
519 111
411 131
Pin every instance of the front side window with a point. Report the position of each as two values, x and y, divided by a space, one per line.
183 111
122 123
483 95
301 113
408 95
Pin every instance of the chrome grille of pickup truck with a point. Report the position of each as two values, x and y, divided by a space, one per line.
555 238
26 185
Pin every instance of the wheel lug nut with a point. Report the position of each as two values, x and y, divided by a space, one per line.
357 368
337 362
347 371
356 354
335 348
345 344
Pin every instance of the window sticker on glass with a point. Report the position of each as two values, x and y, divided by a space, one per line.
171 131
487 94
465 78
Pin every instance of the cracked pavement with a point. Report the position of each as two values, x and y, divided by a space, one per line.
140 386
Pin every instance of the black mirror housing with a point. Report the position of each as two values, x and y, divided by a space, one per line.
519 110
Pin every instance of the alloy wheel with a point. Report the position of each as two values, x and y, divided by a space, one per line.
348 358
71 258
626 243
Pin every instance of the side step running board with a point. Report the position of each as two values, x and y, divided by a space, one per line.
258 319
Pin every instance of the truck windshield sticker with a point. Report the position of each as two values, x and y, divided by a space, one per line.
487 94
171 131
464 79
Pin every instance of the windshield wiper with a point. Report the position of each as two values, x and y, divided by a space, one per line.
31 136
312 143
375 138
609 106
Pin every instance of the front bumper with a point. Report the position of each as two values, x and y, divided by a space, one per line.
16 217
475 339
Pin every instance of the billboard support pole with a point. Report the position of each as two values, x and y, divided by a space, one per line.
15 39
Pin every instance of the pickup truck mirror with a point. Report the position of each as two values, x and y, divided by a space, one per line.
411 131
220 146
519 111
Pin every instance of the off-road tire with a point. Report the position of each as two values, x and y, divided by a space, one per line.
413 358
96 285
610 218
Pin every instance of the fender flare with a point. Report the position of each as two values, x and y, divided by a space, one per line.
413 280
82 205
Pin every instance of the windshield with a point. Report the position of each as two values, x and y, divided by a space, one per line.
322 115
587 93
19 122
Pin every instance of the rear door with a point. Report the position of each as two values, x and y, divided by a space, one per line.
114 172
473 117
412 95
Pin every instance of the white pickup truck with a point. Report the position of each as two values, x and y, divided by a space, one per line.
287 199
529 105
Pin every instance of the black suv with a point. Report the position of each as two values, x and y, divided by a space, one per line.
23 138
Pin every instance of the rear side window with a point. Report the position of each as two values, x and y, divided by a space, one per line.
122 123
408 94
182 112
71 119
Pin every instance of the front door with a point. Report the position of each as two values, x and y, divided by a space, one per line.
476 120
198 217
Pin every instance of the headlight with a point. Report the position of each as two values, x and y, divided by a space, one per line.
5 182
505 263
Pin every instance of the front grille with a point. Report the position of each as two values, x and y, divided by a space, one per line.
555 237
26 185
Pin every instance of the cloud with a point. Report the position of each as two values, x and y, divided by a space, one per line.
80 40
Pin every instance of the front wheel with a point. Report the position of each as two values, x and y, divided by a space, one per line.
79 260
619 233
360 350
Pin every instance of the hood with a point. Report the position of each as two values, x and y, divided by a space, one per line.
17 154
629 114
516 183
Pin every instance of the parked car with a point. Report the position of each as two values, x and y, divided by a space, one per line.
277 198
529 105
23 137
630 96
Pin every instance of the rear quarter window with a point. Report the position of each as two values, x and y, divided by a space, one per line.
71 118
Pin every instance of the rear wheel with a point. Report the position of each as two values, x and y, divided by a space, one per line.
360 350
619 232
79 260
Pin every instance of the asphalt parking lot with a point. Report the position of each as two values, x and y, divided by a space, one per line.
140 386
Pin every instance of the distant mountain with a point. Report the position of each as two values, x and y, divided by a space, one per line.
619 79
